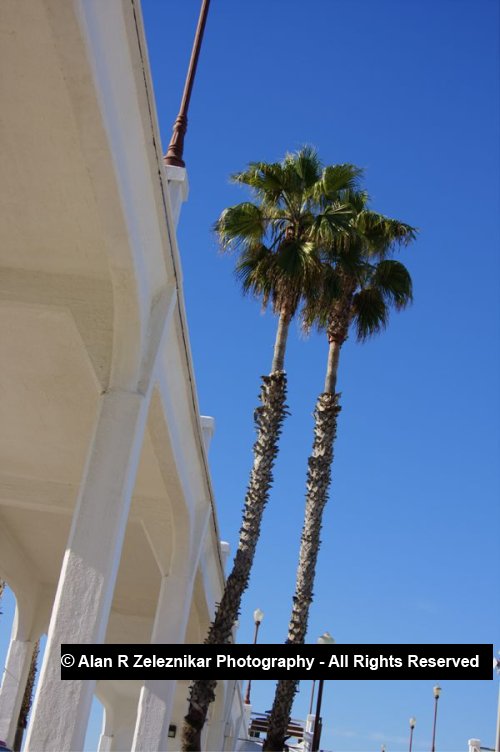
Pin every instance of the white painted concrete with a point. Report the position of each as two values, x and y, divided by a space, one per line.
25 632
13 685
178 189
107 514
208 429
86 585
157 696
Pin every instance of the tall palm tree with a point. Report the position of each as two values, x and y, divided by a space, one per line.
27 701
360 284
277 238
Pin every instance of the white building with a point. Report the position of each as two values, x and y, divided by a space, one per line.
108 529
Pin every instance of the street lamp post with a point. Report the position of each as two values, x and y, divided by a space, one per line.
312 696
437 691
325 639
413 722
176 146
258 615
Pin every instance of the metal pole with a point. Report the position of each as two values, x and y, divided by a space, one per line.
317 720
433 749
176 146
247 696
411 737
312 696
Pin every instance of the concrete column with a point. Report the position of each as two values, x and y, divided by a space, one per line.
225 550
174 605
157 695
309 732
120 707
178 189
105 742
13 686
215 726
86 583
208 430
236 715
123 724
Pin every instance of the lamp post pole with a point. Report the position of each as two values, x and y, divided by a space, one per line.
413 722
176 146
325 639
437 691
258 615
312 696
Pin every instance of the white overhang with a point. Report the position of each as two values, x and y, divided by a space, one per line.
87 250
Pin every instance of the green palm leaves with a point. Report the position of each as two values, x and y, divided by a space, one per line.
299 207
356 272
309 232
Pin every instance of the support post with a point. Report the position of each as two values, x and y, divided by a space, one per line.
88 574
13 686
157 696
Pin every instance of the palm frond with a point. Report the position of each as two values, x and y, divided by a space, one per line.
303 165
369 313
242 224
265 179
357 199
319 303
382 234
254 271
331 224
336 178
393 280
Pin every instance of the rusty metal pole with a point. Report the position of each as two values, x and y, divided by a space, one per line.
176 146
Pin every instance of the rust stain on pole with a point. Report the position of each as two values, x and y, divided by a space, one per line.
176 146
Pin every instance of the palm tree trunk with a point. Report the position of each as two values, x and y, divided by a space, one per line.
269 418
318 483
281 340
27 700
332 366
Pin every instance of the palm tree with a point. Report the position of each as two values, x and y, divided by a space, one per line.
27 701
277 238
360 284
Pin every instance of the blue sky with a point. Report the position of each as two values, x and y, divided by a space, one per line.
409 91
